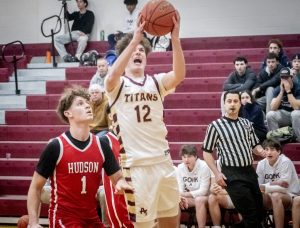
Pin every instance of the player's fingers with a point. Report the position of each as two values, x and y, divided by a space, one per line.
177 15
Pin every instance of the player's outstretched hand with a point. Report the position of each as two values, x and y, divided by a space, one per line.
139 30
176 28
122 186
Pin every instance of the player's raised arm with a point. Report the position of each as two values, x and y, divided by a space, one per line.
173 78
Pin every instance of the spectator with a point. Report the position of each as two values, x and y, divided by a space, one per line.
285 104
243 78
99 104
80 31
278 180
218 198
251 111
130 22
194 181
296 68
266 82
296 212
74 162
275 46
235 141
99 76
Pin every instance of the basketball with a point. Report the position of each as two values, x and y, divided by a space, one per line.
158 15
23 221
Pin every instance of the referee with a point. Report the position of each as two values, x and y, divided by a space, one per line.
233 138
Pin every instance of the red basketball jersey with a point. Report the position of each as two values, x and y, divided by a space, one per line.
75 181
116 205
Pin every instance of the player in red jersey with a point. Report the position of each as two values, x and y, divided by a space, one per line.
117 212
74 161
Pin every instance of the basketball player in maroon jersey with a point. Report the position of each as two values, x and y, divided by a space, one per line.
73 161
117 212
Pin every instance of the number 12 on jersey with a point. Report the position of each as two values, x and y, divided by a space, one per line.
142 113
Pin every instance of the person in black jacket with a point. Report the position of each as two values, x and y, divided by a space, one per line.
242 78
267 81
251 111
80 31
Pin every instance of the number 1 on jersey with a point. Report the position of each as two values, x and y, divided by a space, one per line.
83 181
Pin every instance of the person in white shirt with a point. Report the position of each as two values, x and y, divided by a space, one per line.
194 181
278 180
99 76
129 23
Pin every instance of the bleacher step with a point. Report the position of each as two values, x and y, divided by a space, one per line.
32 87
50 66
2 117
39 75
40 62
12 102
39 72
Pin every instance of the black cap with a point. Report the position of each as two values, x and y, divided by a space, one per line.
285 71
130 2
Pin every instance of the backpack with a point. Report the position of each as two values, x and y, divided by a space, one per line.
283 135
89 58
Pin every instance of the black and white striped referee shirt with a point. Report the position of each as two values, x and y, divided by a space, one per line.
233 141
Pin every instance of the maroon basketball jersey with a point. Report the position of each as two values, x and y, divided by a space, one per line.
115 203
75 181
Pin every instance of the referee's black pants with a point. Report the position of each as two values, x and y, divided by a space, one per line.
243 189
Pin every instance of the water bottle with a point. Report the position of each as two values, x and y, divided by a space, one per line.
48 56
102 35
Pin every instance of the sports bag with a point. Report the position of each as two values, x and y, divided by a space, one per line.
283 134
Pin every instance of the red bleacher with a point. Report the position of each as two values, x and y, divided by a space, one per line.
195 104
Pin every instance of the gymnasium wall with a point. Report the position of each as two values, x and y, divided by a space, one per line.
21 19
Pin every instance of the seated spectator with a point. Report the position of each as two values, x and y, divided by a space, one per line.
285 104
275 46
80 31
278 180
217 199
241 79
194 181
99 104
296 68
296 212
253 112
267 81
130 22
99 76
